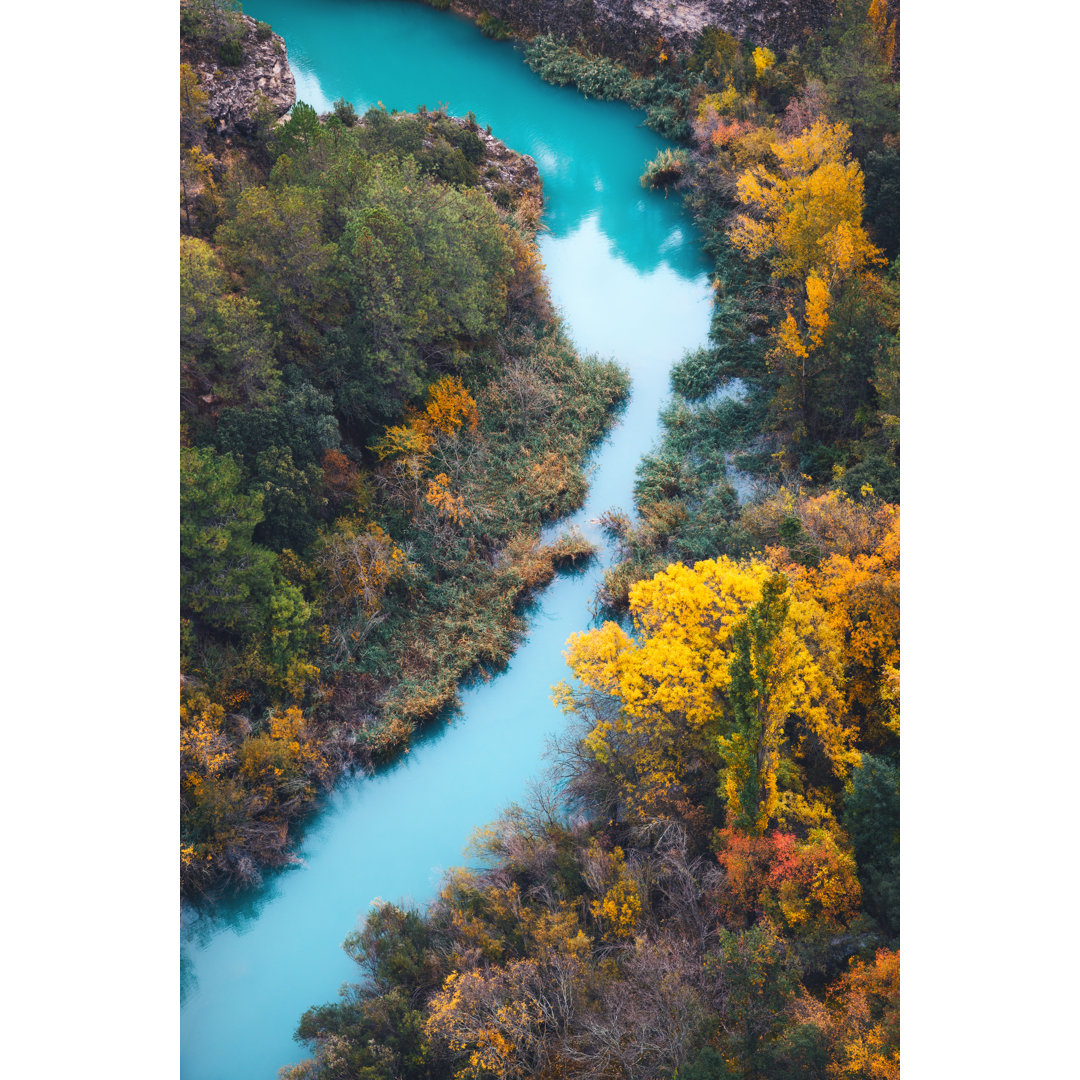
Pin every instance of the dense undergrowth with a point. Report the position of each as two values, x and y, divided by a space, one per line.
378 411
707 884
791 173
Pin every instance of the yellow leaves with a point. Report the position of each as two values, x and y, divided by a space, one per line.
807 214
728 98
619 908
885 29
673 684
447 505
863 1020
764 59
298 676
594 655
450 406
817 309
192 95
284 752
494 1020
788 338
361 563
555 931
205 750
402 440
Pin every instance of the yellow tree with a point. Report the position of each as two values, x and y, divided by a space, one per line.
722 656
886 31
508 1021
858 585
860 1020
805 217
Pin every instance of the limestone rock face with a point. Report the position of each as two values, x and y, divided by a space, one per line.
626 27
234 91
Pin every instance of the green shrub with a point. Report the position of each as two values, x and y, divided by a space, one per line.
263 31
345 112
492 27
664 100
230 52
666 168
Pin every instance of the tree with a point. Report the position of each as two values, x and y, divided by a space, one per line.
861 1020
861 593
678 697
299 134
274 241
807 213
226 347
194 117
806 219
754 979
281 448
225 578
197 186
752 750
872 817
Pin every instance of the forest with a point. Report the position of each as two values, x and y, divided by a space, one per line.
380 408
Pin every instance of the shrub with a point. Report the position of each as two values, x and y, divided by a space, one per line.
230 52
345 112
666 168
492 27
263 31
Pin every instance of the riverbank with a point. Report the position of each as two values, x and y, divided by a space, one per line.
381 572
624 268
628 920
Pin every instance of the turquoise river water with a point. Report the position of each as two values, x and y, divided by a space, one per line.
626 271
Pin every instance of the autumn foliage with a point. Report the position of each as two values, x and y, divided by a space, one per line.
364 474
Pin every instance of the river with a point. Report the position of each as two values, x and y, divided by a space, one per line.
626 271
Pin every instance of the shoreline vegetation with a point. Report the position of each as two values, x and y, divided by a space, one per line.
379 412
706 885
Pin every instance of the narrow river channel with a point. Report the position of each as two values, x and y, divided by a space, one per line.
626 271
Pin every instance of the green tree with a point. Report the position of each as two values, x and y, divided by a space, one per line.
226 347
280 449
225 578
275 243
756 978
299 134
872 819
753 747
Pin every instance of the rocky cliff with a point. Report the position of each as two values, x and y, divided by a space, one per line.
237 92
628 27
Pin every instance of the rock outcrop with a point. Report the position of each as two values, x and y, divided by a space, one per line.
626 28
236 93
506 170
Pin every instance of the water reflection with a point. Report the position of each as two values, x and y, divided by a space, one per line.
590 154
